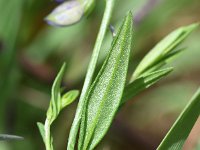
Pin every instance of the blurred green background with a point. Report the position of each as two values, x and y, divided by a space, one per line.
32 52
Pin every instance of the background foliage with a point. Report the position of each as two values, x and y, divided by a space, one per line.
31 52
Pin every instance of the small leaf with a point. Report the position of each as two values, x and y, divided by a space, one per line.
69 97
6 137
180 130
163 48
143 83
65 14
41 129
163 62
103 99
55 104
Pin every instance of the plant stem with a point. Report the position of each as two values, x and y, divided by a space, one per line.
48 143
90 72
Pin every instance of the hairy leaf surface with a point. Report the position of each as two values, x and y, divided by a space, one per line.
106 91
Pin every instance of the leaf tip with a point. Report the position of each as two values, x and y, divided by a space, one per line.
129 17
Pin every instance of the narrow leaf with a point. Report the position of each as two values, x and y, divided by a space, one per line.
143 83
41 129
72 140
69 97
163 48
180 130
164 61
55 104
105 94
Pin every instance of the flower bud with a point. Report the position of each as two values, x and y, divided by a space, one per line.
59 1
66 14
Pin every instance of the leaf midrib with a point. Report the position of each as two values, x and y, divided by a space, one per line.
106 93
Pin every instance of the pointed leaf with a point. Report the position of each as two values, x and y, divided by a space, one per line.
164 61
41 129
163 48
72 140
143 83
180 130
55 104
106 91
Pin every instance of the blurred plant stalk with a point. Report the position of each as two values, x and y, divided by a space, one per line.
9 28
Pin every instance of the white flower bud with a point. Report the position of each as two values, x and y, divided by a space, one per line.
67 13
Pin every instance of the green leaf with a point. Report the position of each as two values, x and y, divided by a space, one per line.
103 99
143 83
72 140
163 49
6 137
180 130
69 97
42 130
163 62
55 104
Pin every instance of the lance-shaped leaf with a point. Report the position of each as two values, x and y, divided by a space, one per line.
164 61
179 132
143 83
42 130
103 99
57 102
163 49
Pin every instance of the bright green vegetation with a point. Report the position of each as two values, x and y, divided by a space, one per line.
112 79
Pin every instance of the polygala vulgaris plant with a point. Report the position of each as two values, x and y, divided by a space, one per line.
102 97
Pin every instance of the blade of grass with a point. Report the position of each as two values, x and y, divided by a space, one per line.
180 130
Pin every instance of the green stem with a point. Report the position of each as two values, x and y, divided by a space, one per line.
48 143
90 72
